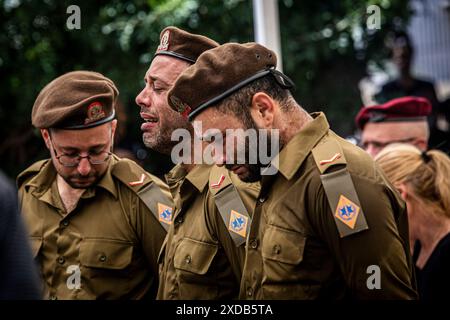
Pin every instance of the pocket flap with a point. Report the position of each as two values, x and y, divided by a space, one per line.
105 253
283 245
194 256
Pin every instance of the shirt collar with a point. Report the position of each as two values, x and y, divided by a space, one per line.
199 176
297 149
44 179
107 181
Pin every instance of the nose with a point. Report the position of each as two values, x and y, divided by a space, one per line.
143 99
220 158
84 167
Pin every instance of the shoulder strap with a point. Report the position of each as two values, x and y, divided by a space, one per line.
30 171
230 205
339 188
148 188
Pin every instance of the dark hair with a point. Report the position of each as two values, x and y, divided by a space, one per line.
400 38
238 104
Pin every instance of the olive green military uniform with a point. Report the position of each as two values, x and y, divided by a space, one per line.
111 236
322 221
203 255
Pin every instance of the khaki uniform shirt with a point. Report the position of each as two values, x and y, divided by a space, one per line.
110 241
199 259
294 248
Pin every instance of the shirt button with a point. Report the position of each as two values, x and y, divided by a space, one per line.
61 260
276 249
179 220
254 244
65 223
102 258
249 291
188 259
261 200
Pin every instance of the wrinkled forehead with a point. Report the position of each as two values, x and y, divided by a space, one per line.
166 68
386 131
83 138
213 119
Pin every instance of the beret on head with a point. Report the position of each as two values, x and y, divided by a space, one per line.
75 100
400 109
183 45
219 73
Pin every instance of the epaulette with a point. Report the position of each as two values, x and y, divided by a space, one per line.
339 188
230 205
30 172
148 188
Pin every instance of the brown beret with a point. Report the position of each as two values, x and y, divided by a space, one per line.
183 45
75 100
399 109
219 72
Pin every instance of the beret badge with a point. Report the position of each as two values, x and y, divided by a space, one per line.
95 112
164 44
180 106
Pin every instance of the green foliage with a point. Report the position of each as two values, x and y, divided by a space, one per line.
326 46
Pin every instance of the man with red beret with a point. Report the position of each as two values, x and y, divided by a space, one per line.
92 217
326 224
402 120
201 258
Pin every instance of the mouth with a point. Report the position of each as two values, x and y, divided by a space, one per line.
149 121
149 118
83 182
238 169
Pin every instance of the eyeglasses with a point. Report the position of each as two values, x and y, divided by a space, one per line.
382 145
69 160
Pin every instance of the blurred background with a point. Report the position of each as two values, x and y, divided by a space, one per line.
336 61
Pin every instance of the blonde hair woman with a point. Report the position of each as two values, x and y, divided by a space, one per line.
423 180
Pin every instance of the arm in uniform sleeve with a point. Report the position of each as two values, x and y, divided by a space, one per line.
381 245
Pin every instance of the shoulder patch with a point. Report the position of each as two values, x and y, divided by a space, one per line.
328 153
217 184
238 223
138 182
347 211
165 213
131 174
219 178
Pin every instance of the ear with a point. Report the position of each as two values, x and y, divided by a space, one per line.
113 127
421 144
46 136
403 190
263 110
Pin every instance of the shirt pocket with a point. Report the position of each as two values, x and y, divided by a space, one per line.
106 254
192 261
194 256
282 253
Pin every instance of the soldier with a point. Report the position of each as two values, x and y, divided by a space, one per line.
401 120
18 274
202 257
91 216
326 224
